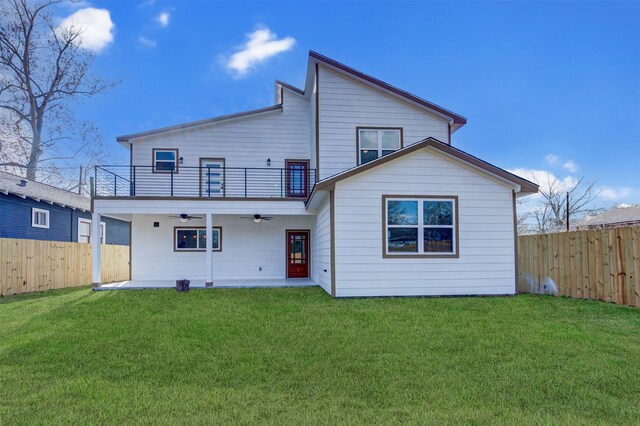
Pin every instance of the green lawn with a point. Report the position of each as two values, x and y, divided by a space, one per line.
292 356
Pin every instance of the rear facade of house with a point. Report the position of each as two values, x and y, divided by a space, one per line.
349 183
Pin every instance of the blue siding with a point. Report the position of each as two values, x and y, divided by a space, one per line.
15 222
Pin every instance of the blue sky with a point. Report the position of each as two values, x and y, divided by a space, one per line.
546 86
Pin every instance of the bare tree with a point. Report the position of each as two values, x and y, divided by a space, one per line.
550 214
44 71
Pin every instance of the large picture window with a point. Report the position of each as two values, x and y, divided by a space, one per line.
195 238
165 160
377 142
420 226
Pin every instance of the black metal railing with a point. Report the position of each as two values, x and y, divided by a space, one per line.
203 182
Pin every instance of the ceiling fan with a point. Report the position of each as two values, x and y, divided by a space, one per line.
257 218
184 218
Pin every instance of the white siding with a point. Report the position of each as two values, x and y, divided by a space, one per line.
346 104
246 246
321 247
245 142
486 246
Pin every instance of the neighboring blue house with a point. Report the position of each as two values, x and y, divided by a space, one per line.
37 211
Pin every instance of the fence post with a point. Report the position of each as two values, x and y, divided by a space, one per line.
245 183
172 181
208 181
281 185
115 185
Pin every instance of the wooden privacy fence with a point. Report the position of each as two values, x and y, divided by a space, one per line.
602 264
33 265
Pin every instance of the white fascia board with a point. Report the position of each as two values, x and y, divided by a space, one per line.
248 207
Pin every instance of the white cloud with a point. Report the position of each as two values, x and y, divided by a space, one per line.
95 24
146 42
551 159
612 194
545 179
570 166
261 45
163 19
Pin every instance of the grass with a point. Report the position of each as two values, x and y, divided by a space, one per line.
284 356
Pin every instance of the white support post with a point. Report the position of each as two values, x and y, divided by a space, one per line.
209 250
95 249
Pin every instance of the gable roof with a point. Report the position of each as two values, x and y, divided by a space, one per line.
127 138
457 120
617 216
10 184
526 187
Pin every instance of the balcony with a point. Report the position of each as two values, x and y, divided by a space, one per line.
208 182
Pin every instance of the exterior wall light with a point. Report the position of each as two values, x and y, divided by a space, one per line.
180 160
268 161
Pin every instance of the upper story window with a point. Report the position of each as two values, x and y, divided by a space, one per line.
165 160
420 226
377 142
39 218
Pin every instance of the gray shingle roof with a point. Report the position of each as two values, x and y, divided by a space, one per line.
10 184
616 215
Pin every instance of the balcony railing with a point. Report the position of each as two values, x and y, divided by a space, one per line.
203 182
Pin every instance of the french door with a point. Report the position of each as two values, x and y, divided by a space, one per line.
297 254
297 178
212 177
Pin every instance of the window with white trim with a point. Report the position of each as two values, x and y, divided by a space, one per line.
39 218
165 160
376 143
195 239
84 231
420 226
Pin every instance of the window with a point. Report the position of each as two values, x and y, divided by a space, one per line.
195 238
84 231
374 143
39 218
297 178
165 160
420 226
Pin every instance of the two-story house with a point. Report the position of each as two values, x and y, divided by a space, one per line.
350 184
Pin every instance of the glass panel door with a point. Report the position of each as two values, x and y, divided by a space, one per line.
212 177
297 254
297 173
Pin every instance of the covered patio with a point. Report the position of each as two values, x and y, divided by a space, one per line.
200 284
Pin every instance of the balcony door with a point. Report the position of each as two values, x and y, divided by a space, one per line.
297 178
297 254
212 177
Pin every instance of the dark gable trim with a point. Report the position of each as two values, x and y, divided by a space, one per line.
525 185
457 119
317 125
126 138
515 239
290 87
332 249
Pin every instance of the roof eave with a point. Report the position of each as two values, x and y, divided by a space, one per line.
128 138
457 120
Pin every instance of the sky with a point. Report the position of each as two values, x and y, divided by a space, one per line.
549 88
